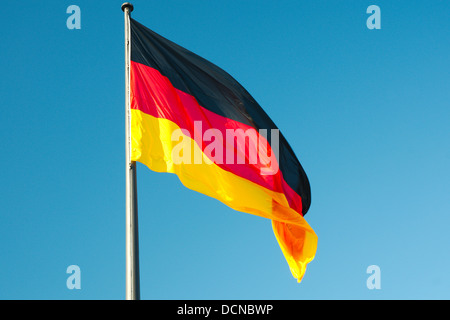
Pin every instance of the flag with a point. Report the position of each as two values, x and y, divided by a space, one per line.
191 118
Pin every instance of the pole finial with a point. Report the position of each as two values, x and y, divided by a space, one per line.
127 5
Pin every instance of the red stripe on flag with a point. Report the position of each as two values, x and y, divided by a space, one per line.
153 94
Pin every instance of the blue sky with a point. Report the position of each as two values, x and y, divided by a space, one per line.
366 111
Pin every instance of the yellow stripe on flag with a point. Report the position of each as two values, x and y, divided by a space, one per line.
152 145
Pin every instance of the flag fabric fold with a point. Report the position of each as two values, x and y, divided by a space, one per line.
191 118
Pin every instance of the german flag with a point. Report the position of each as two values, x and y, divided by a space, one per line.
191 118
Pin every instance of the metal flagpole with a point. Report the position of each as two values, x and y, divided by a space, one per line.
131 221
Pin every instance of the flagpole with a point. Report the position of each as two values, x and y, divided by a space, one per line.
131 221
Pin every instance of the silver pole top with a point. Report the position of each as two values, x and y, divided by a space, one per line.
127 5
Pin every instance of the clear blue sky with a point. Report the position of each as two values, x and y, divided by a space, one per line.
366 111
